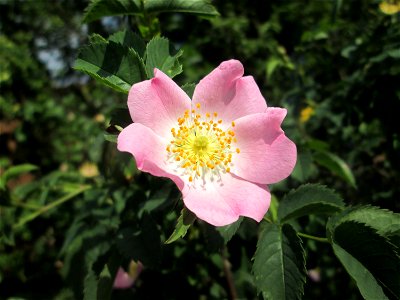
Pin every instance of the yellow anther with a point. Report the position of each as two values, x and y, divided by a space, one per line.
200 145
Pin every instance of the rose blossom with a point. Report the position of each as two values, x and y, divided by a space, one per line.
221 149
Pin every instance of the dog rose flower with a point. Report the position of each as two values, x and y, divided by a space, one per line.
221 149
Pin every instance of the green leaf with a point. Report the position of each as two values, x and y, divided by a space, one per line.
106 277
367 284
141 243
200 7
185 220
99 285
279 263
129 39
15 171
228 231
113 138
189 89
336 165
368 257
385 222
101 8
309 199
112 64
161 55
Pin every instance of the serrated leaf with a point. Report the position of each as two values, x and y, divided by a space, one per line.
185 220
189 89
385 222
97 38
106 277
129 39
336 165
228 231
161 55
99 285
112 64
101 8
142 243
309 199
279 263
369 257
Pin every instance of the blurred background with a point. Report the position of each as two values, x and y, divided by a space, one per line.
335 65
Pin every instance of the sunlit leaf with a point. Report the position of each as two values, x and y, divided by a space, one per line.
309 199
129 39
279 263
112 64
161 55
185 220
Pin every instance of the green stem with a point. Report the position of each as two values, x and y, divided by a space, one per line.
51 205
268 220
315 238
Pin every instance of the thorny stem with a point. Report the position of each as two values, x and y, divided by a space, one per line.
228 274
315 238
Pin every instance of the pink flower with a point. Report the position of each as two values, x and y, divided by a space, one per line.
124 280
221 149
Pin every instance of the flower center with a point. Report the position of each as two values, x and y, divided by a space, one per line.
200 147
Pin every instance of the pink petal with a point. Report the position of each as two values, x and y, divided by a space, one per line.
229 94
148 150
222 202
266 154
157 103
123 280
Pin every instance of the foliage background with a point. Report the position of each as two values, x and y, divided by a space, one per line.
333 64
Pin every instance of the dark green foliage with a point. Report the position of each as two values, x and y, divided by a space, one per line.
73 209
309 199
369 257
102 8
279 263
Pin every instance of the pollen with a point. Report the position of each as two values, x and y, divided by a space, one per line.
200 146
